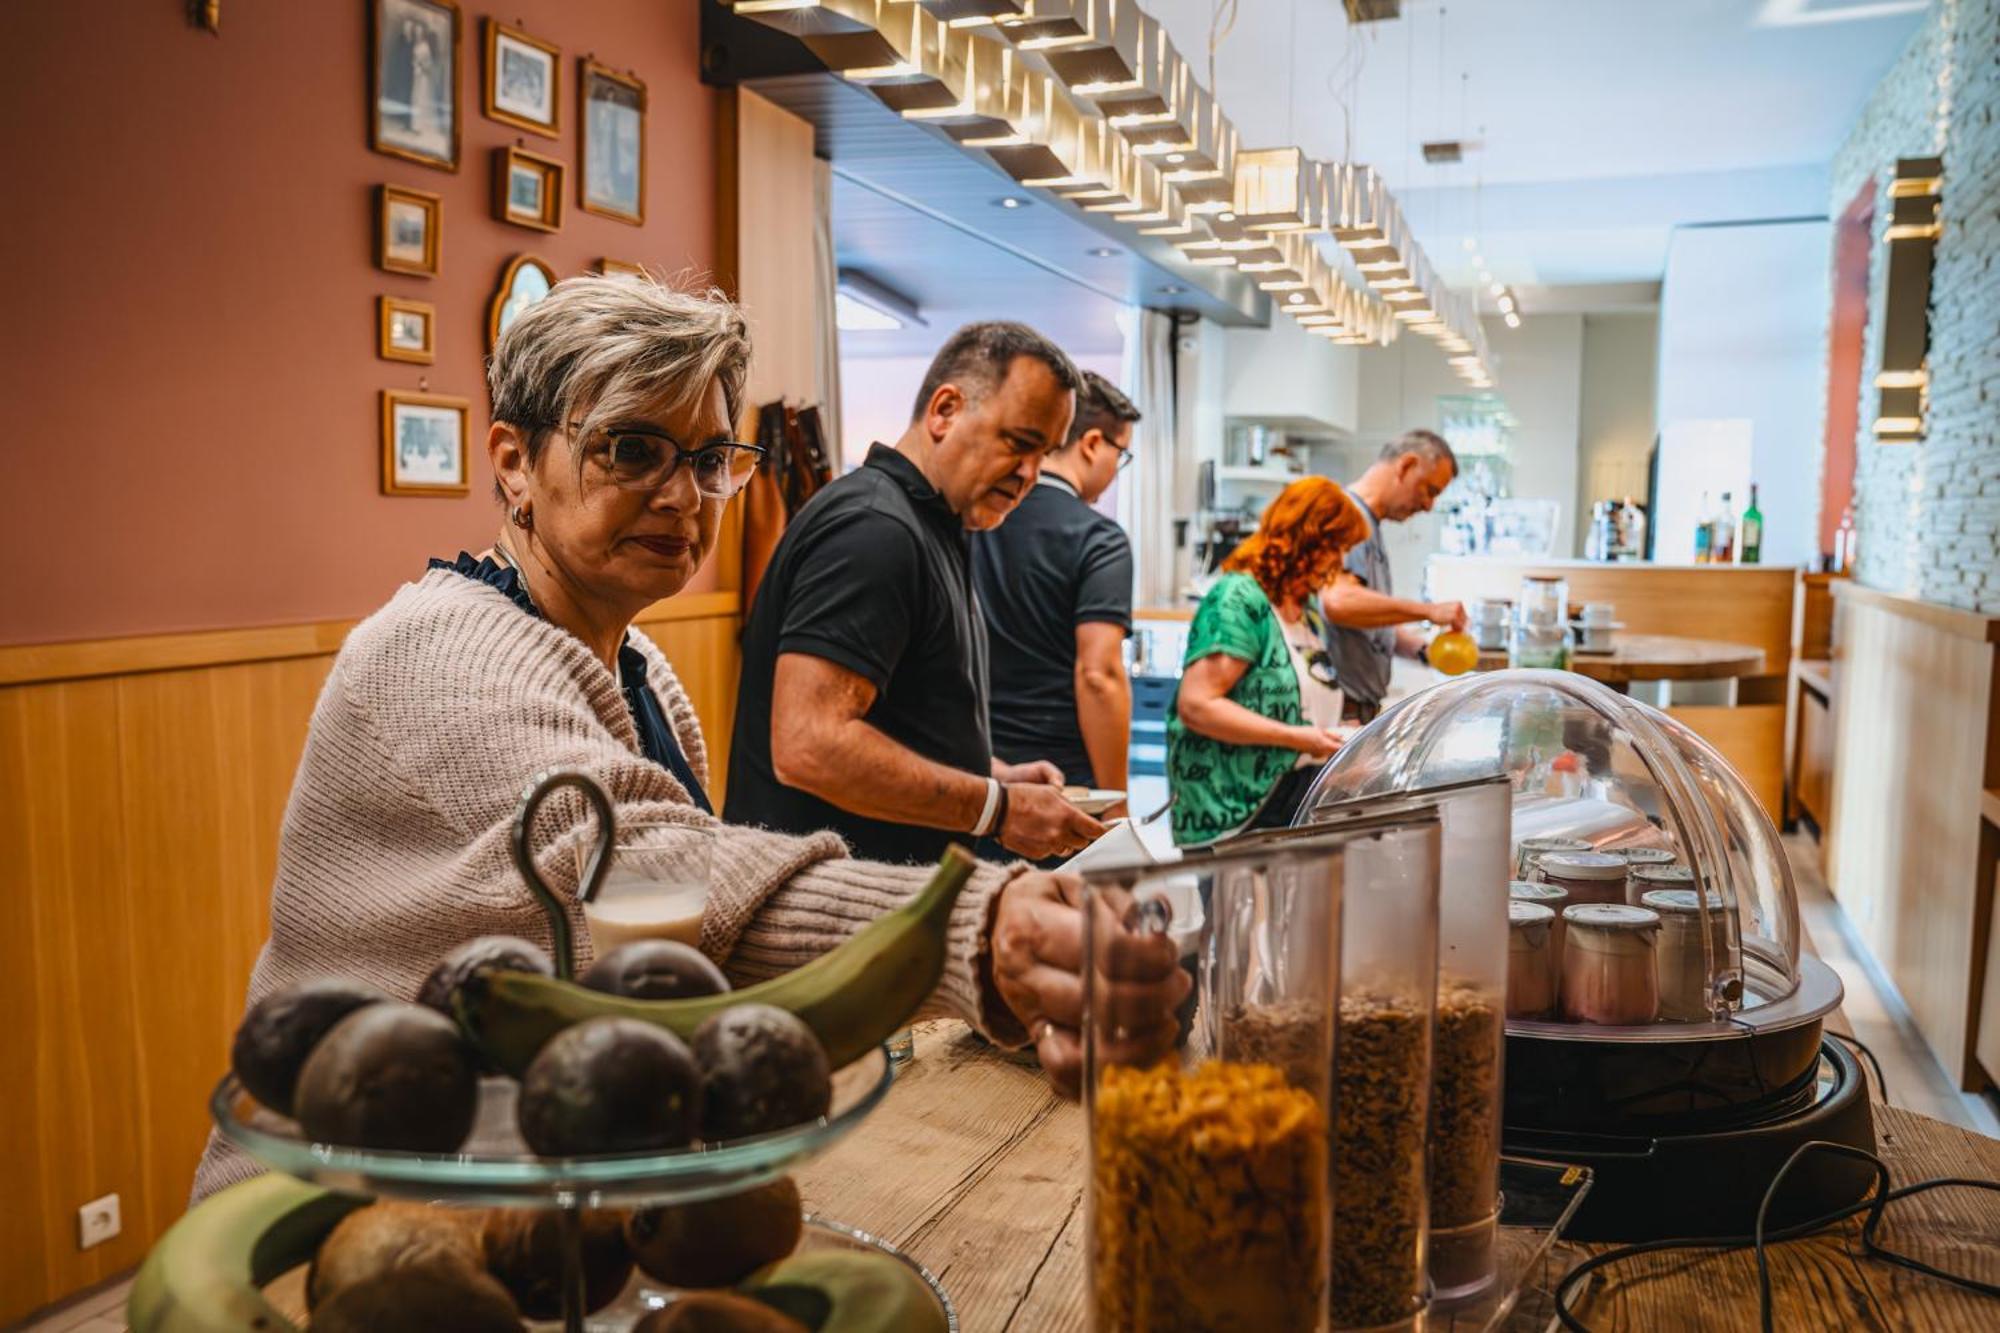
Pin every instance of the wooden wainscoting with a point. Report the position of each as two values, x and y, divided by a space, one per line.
142 782
1916 720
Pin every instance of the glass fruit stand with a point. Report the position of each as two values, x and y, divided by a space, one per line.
209 1271
1683 1049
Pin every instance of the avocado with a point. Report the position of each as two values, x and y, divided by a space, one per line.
524 1250
717 1242
281 1029
656 970
390 1075
717 1312
420 1298
610 1085
501 953
762 1071
849 1291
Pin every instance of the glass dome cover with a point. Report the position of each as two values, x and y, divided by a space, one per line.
1588 763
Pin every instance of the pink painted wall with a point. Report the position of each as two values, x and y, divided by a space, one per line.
189 366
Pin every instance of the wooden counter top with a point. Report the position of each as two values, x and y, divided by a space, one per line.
977 1170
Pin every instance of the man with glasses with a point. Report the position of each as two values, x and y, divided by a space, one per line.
863 703
1056 586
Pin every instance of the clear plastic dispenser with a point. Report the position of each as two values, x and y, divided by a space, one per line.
1470 1037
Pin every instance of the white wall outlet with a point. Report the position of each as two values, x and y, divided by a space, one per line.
97 1222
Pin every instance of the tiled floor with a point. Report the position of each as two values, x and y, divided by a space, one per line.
1874 1013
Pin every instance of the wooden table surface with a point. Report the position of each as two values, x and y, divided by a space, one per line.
974 1168
1655 657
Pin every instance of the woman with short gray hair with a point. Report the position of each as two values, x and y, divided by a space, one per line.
612 445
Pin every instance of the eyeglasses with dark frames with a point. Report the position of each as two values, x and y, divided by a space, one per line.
644 458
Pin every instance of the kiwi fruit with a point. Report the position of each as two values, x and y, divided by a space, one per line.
717 1312
421 1298
762 1069
610 1085
717 1242
523 1250
498 953
655 970
393 1076
370 1242
281 1029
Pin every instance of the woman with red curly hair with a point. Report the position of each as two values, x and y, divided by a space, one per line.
1257 700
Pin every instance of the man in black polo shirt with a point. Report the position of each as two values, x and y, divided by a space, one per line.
1056 585
863 705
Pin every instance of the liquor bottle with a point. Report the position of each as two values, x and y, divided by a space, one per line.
1702 531
1846 543
1751 532
1722 541
1635 530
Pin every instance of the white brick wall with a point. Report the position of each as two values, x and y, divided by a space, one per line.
1929 512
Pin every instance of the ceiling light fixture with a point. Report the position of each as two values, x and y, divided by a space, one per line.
1104 252
864 305
1010 201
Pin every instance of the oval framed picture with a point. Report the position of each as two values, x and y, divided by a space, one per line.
523 282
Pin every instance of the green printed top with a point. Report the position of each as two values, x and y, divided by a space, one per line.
1218 786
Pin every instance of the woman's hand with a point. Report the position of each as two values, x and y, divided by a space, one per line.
1316 741
1038 970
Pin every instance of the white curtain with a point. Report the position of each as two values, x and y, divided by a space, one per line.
1146 494
826 277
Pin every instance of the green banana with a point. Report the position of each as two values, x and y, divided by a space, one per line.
852 997
207 1273
848 1291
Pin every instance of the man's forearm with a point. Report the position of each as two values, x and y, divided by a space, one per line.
1359 607
1104 714
855 766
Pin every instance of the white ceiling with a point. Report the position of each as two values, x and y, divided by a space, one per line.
1599 124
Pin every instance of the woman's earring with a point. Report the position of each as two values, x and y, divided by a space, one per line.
521 518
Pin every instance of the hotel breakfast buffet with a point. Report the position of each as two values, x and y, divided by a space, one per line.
902 666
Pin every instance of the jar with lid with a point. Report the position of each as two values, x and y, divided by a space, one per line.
1532 960
1609 975
1643 880
1589 877
1552 896
1541 635
1531 848
1684 960
1634 857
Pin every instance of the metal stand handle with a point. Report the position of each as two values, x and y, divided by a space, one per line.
540 788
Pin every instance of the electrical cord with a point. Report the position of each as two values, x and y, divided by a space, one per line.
1874 1065
1875 1205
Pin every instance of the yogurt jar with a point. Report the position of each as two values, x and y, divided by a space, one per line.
1533 961
1644 879
1590 877
1610 975
1552 896
1634 857
1683 965
1531 849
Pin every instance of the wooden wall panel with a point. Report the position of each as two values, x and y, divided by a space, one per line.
1752 738
1914 716
139 818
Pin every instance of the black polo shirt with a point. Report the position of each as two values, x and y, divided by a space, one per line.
873 575
1056 563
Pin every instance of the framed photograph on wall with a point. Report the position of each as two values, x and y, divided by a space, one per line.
523 80
527 189
523 282
405 330
424 444
621 268
409 230
614 144
413 65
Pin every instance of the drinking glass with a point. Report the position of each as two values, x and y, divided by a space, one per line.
656 886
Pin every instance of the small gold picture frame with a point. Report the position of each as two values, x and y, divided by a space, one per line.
523 282
405 330
409 230
424 444
527 189
621 268
523 80
413 110
612 157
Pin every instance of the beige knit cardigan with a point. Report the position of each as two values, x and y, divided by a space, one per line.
394 846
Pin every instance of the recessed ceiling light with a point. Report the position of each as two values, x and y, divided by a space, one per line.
1225 217
1484 276
1010 201
1498 289
1295 298
1175 159
1105 252
1173 290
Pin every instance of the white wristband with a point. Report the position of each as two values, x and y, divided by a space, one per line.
985 824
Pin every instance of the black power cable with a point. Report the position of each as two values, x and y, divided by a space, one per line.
1874 1065
1875 1205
